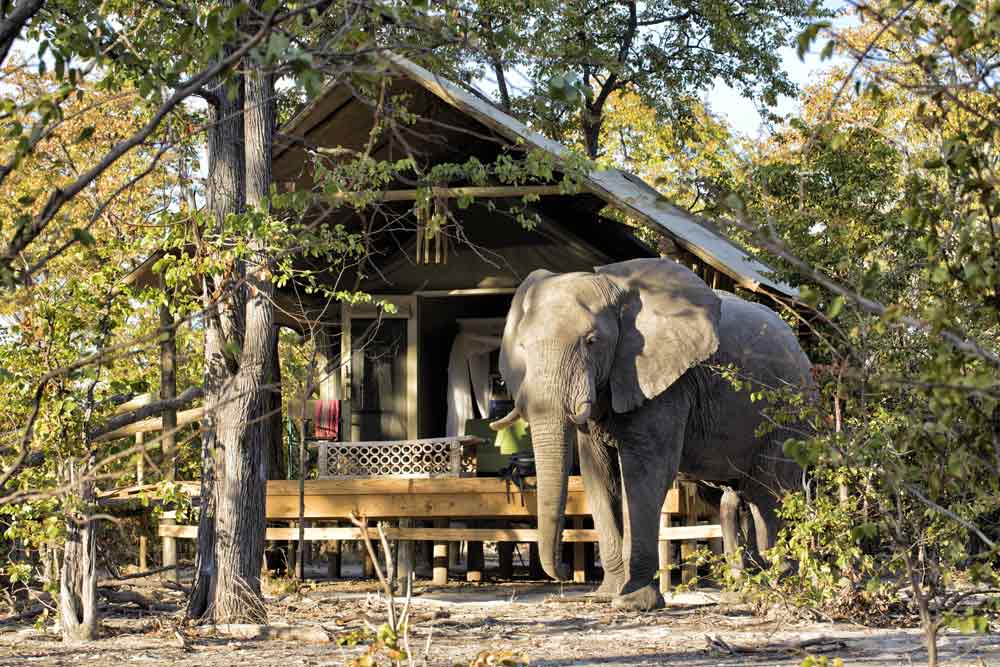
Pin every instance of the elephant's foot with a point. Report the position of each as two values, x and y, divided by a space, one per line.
646 598
608 589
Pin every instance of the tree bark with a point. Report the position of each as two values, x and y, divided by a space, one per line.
240 342
226 195
78 582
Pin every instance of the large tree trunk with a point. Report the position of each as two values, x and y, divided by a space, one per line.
78 583
222 300
244 427
239 345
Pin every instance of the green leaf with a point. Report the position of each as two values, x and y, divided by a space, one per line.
85 133
835 307
84 237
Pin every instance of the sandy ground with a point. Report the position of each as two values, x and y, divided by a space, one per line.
547 624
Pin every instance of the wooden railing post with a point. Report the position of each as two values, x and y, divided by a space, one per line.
579 558
168 390
666 563
689 570
140 470
440 565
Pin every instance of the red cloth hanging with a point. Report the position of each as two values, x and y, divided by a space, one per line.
326 419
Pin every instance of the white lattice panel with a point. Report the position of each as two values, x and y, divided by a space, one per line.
432 457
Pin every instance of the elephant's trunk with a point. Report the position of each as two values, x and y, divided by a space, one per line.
551 438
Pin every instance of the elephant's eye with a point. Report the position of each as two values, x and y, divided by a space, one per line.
591 339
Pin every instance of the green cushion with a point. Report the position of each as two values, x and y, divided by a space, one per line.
515 438
494 454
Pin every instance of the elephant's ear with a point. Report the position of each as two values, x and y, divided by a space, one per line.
512 363
669 321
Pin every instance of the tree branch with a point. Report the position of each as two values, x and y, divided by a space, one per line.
155 408
10 26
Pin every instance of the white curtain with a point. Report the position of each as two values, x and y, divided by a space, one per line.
469 374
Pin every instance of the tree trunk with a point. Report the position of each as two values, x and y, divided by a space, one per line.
591 122
240 403
78 582
222 299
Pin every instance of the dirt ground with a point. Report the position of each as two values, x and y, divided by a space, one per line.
546 624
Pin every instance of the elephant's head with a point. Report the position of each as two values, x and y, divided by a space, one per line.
573 342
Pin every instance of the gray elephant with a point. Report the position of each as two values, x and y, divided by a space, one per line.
622 360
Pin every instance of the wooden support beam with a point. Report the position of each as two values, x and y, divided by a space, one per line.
579 561
140 472
535 570
406 561
665 549
169 418
440 564
333 559
689 570
442 534
505 552
474 562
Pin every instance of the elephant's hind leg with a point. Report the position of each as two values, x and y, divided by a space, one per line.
763 505
601 477
729 517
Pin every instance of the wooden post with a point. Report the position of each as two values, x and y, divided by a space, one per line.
333 560
168 390
440 565
505 551
140 470
474 560
666 564
405 556
369 564
535 570
292 554
689 571
590 561
579 560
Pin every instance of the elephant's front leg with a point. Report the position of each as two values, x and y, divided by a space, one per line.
649 461
601 478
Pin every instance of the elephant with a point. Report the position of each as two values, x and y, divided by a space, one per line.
625 360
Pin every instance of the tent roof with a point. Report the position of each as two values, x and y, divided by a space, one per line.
620 189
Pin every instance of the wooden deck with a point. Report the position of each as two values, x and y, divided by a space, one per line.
379 498
442 500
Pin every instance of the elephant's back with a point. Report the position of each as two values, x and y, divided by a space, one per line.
756 339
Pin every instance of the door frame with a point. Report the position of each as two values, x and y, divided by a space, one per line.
406 309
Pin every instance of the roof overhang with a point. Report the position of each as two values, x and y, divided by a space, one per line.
623 190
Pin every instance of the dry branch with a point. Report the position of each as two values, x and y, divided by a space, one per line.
156 407
313 634
816 644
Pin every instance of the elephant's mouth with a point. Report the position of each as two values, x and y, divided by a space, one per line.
582 413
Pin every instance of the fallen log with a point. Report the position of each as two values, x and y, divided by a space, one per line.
816 644
131 597
248 631
26 615
138 575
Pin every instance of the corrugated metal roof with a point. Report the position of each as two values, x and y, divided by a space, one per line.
621 189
